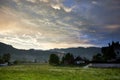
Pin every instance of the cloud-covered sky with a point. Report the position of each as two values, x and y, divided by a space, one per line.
48 24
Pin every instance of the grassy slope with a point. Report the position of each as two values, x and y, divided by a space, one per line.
46 72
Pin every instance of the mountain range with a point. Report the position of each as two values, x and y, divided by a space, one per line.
43 55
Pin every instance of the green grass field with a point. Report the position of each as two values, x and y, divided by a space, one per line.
47 72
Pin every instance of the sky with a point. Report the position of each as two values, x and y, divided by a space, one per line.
48 24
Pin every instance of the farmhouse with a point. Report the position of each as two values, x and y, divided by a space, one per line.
79 60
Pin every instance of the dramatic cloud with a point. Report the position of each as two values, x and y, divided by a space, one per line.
46 24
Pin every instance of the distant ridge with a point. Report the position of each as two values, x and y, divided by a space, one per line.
43 55
80 51
24 55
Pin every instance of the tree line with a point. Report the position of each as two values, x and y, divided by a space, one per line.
67 59
108 54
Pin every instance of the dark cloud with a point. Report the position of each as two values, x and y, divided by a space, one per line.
79 22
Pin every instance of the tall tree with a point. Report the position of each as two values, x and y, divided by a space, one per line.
1 60
109 52
69 59
54 59
6 57
62 60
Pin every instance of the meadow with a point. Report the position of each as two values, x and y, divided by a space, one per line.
47 72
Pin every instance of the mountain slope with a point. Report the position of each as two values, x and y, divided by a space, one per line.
80 51
24 55
43 56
